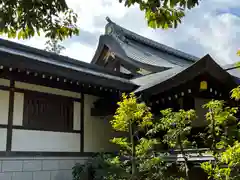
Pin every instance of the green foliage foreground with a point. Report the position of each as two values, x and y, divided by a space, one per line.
163 13
139 158
24 19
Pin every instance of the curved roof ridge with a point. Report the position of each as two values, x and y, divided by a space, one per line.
132 35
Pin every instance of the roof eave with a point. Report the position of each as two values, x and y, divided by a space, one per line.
205 64
23 49
25 63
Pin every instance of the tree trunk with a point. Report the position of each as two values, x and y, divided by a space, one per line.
213 133
133 158
184 157
214 148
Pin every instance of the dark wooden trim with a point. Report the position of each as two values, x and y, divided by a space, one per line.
80 87
48 94
3 125
82 123
45 154
36 129
9 60
4 87
10 117
48 120
22 90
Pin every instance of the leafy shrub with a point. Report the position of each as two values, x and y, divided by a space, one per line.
95 168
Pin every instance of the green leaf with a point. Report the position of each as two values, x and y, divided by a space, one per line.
238 53
35 17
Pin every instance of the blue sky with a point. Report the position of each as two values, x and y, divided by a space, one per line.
232 10
211 28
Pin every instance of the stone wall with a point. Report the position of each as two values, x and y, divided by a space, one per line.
36 168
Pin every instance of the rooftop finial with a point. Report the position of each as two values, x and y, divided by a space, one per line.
108 19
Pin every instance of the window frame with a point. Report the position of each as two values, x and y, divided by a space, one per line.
48 124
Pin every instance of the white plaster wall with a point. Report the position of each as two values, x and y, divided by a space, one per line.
32 140
3 139
97 131
4 82
76 115
4 106
200 121
18 109
44 89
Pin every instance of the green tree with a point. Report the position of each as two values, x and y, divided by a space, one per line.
136 154
223 131
163 13
177 126
136 159
53 45
24 19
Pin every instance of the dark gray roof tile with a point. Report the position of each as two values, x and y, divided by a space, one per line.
145 57
173 77
126 34
151 80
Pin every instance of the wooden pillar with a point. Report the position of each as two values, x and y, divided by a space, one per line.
82 123
10 116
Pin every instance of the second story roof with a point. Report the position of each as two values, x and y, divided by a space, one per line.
146 50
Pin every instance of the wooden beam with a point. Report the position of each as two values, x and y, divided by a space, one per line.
10 117
82 123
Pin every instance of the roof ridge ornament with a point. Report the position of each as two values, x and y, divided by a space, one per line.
109 20
115 30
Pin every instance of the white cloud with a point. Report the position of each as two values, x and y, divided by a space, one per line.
91 9
218 37
202 31
78 51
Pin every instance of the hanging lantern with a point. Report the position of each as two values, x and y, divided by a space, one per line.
203 85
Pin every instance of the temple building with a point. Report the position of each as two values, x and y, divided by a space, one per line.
55 110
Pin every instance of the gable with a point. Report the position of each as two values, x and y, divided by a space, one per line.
163 81
133 51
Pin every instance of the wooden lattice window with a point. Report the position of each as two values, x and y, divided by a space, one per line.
47 112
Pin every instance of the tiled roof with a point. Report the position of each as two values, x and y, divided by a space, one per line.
235 72
136 53
146 50
130 54
174 76
150 80
33 56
